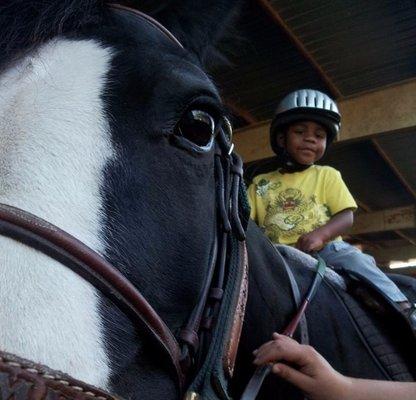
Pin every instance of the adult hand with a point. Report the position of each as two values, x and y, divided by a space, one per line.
314 376
312 241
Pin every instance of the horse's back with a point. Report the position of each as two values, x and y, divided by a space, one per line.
356 342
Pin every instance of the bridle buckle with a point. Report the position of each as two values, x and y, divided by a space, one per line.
192 396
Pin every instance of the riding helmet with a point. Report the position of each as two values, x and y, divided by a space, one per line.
304 105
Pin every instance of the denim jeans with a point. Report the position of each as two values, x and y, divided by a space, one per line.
343 256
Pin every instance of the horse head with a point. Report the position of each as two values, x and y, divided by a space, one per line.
107 130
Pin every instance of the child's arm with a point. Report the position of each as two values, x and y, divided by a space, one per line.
337 225
311 373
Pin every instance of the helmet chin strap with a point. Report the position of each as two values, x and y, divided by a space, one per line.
289 164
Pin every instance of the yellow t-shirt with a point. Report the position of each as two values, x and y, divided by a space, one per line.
287 206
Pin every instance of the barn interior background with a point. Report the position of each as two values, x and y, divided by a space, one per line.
362 54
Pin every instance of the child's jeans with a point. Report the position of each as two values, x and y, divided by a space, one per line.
342 255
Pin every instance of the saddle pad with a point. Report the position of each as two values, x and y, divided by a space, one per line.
377 331
298 259
363 290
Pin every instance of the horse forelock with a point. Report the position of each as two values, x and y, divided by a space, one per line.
55 143
26 25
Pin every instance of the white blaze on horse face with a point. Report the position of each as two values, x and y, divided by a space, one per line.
54 145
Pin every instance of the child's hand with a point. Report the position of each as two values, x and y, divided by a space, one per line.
312 241
313 374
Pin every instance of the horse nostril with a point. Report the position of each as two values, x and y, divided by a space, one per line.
197 126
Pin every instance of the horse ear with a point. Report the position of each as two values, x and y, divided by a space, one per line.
199 25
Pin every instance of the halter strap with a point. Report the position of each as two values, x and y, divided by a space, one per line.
56 243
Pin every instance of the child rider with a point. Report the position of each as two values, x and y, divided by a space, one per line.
309 206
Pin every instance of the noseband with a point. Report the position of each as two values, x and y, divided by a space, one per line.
187 353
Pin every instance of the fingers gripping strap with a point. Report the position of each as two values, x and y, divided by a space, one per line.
256 381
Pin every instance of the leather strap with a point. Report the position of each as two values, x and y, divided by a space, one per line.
303 324
196 336
254 385
147 19
240 310
54 242
21 379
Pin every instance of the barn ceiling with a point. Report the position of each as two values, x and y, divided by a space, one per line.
345 48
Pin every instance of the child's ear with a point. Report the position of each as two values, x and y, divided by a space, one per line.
280 139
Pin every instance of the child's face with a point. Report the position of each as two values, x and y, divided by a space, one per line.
305 142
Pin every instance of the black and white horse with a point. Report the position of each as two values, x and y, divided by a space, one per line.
90 101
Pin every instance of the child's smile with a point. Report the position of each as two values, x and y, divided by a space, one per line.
306 142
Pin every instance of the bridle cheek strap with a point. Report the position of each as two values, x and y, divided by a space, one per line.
28 229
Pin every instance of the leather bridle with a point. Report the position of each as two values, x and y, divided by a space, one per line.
59 245
49 239
147 19
36 233
184 353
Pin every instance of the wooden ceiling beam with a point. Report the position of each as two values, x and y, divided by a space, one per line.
390 109
406 237
246 115
385 220
399 233
362 205
393 167
277 19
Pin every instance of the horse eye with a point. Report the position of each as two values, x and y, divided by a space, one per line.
198 127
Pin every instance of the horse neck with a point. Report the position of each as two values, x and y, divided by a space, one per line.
55 143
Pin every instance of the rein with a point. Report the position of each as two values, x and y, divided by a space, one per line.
36 233
254 385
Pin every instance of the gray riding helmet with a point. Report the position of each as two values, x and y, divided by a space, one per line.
306 105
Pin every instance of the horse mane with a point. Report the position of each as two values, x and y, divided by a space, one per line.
27 24
203 27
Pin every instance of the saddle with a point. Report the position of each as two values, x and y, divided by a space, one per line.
370 310
356 285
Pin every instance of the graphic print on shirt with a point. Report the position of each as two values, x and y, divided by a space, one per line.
263 186
291 214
